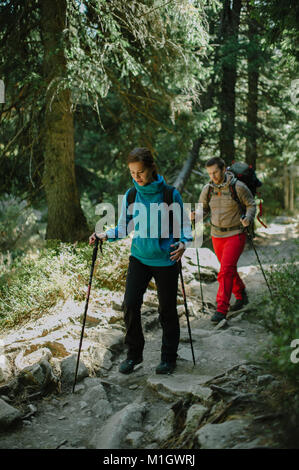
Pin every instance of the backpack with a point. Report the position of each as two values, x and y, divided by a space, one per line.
245 173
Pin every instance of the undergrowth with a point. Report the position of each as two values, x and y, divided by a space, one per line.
33 283
281 318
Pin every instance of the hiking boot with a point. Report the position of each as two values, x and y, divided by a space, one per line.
165 367
127 366
240 302
218 317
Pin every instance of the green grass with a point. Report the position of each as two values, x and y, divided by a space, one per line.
36 281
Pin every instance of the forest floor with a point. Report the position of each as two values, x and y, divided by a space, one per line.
228 399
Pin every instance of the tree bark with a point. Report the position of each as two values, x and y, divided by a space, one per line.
252 99
230 29
286 185
188 166
66 220
292 188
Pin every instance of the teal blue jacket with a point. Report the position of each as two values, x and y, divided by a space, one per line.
152 235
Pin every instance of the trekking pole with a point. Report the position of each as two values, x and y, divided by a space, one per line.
94 257
199 275
201 293
252 244
186 309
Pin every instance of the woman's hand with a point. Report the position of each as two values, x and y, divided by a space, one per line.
101 236
178 253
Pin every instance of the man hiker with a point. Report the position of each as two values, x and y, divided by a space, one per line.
228 231
155 256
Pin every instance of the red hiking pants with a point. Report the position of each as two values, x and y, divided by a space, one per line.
228 251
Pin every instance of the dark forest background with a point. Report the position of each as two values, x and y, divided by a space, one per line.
87 81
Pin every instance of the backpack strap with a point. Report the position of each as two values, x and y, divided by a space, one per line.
209 195
168 199
131 195
233 191
168 194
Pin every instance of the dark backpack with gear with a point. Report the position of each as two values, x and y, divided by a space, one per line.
246 174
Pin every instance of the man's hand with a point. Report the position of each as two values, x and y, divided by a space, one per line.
245 222
178 253
101 236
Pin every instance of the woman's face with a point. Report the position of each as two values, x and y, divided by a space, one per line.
140 173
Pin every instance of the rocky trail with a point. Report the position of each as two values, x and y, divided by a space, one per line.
221 402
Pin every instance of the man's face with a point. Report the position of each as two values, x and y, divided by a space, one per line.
216 175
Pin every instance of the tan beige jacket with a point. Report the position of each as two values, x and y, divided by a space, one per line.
225 212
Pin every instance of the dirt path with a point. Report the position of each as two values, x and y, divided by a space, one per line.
218 403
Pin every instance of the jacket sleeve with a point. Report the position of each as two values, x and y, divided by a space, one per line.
203 199
121 230
247 200
186 229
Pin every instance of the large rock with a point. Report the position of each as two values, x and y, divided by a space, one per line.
111 339
25 359
164 428
68 369
96 398
206 258
225 349
8 415
102 409
134 439
117 427
95 394
194 417
100 357
180 385
221 436
5 368
191 271
38 376
209 291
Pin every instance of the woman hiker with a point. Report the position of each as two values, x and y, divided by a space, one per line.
227 230
153 255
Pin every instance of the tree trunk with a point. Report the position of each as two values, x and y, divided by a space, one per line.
66 220
292 188
229 29
252 99
286 185
188 166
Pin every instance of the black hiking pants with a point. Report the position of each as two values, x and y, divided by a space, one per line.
138 278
